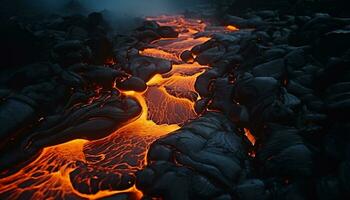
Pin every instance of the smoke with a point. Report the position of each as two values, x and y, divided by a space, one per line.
121 7
119 11
132 7
122 12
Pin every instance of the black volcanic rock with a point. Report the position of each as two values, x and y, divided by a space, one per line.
209 56
146 67
273 68
19 45
71 52
167 32
132 84
101 49
187 56
90 122
201 160
273 102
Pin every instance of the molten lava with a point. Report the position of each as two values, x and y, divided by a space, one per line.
82 169
232 28
171 49
250 136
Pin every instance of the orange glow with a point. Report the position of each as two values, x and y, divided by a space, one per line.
250 136
159 53
232 28
171 49
110 61
166 104
180 23
169 96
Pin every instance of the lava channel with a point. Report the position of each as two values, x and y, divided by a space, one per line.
82 169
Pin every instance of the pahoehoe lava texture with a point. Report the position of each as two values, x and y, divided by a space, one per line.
244 100
206 158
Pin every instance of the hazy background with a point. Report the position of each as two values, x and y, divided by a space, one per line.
120 7
120 13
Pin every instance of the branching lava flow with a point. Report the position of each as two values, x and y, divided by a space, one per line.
82 169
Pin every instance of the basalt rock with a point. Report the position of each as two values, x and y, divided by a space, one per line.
132 84
148 25
167 32
334 43
222 100
273 68
15 113
147 36
45 84
71 52
283 153
274 53
99 75
101 49
208 57
203 160
18 42
204 82
244 23
252 189
203 47
146 67
30 74
92 122
77 33
296 59
338 100
201 105
273 107
187 56
266 100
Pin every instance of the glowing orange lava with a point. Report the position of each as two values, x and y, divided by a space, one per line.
82 169
171 49
250 136
232 28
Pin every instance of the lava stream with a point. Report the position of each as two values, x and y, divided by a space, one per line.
83 169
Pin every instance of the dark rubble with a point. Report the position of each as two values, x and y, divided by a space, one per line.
284 76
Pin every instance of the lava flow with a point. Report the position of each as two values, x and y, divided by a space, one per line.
171 48
82 169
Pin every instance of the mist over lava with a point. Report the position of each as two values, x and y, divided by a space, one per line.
120 7
120 14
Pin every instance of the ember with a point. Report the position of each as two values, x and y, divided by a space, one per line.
232 28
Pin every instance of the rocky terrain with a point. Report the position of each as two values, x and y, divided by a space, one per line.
267 118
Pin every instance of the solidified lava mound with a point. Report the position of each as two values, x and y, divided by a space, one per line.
251 106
